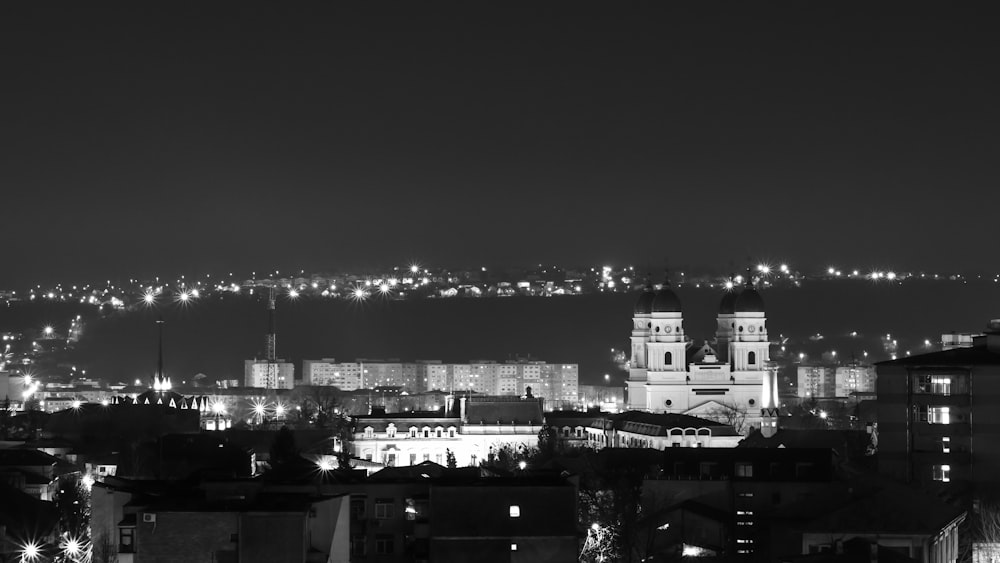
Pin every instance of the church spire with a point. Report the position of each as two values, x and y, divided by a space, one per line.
160 381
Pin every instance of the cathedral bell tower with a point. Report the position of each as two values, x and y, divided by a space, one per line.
749 347
726 326
642 322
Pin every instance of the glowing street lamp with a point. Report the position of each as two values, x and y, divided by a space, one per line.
30 551
48 330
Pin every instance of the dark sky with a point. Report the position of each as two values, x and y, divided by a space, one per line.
210 137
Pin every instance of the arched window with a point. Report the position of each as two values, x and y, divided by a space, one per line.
668 358
390 431
413 432
752 358
369 432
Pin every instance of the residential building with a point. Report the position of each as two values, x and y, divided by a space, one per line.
380 373
32 472
219 522
668 373
854 378
816 381
345 376
556 383
938 425
265 374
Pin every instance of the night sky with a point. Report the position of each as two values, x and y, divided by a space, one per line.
163 138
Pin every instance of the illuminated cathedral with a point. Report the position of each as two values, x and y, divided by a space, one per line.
669 373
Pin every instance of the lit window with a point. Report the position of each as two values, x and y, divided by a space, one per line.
946 445
513 547
942 473
515 511
744 469
939 415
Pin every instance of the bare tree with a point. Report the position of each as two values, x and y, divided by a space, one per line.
732 414
981 535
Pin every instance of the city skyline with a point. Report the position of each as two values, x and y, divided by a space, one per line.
184 140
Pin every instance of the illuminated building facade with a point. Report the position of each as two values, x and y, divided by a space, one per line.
556 383
854 378
816 381
669 374
326 372
470 427
264 374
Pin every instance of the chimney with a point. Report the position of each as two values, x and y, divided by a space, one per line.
461 408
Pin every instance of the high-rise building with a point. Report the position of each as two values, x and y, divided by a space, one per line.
277 374
345 376
816 382
381 373
854 378
556 383
938 421
669 374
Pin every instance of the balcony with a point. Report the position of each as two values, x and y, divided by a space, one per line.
957 429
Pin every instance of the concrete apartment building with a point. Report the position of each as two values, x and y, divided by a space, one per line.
269 375
556 383
328 373
827 381
938 421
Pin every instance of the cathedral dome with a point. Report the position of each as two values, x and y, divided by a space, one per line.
644 305
666 301
749 301
728 304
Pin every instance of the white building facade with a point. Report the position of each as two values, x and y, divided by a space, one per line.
269 375
670 375
346 376
483 426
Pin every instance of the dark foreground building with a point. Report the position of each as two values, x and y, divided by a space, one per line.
939 421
